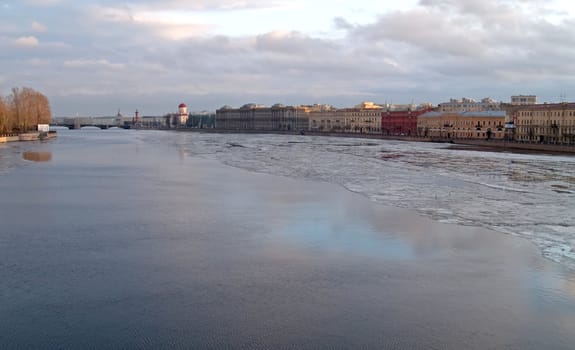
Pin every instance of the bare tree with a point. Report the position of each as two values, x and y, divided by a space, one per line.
17 109
3 116
44 112
12 106
39 108
26 108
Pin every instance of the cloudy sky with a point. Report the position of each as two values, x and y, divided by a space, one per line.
93 57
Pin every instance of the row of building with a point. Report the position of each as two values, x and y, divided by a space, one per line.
365 118
521 120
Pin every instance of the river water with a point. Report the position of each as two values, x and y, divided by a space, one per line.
147 239
527 195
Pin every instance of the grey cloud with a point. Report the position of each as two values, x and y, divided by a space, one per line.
292 43
502 39
426 30
342 23
273 67
438 50
290 56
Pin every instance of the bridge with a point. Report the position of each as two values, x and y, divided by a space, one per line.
108 122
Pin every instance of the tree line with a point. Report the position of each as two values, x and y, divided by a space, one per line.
23 110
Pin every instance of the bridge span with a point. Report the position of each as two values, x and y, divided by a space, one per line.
109 122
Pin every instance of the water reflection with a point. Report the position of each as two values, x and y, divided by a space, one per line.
35 156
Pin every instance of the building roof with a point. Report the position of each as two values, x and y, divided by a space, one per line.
182 105
432 114
540 106
488 114
498 114
252 106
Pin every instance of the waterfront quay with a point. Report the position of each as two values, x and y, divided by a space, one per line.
27 136
539 123
9 137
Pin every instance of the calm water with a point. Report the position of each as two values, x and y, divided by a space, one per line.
129 239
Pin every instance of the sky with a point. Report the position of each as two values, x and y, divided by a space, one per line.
95 57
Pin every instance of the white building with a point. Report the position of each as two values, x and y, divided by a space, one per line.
469 105
524 100
183 116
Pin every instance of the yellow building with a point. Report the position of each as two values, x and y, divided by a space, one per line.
326 119
364 118
545 123
464 125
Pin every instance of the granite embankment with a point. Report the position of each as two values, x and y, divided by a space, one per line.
27 136
9 137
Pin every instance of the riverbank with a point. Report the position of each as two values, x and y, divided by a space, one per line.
28 136
9 138
491 145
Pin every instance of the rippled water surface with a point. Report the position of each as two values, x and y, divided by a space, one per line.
141 239
529 195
